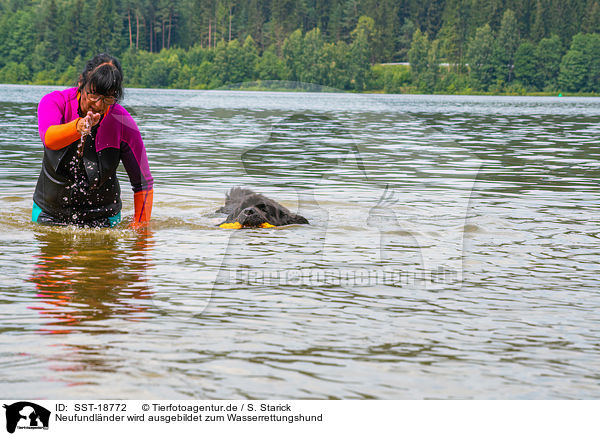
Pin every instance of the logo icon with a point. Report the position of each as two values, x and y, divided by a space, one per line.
26 415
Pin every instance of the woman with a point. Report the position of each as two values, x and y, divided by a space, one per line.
86 133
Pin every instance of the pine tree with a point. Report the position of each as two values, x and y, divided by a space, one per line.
482 61
292 53
366 27
506 45
255 22
385 17
313 68
540 22
591 20
250 58
431 76
404 40
417 57
50 32
350 16
525 64
454 34
359 54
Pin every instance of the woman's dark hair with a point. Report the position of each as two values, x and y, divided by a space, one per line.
102 75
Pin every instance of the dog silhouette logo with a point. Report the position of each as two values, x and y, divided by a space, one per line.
26 415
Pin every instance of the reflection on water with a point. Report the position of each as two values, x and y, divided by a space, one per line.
452 253
82 277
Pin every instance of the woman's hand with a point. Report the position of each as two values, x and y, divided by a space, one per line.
85 124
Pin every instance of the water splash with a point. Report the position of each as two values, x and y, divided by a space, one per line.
84 135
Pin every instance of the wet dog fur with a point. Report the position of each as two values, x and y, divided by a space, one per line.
249 209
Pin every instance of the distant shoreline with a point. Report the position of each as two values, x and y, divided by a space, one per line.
325 90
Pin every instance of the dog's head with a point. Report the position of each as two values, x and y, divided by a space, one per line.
262 215
253 216
248 209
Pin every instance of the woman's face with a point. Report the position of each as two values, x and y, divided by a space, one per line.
96 103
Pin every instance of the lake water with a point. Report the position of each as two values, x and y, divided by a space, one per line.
452 252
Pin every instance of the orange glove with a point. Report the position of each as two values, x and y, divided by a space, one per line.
143 207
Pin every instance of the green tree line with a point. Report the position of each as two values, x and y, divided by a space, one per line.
452 45
500 61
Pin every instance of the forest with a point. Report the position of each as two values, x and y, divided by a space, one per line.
394 46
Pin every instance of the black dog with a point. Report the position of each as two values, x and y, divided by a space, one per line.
246 208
